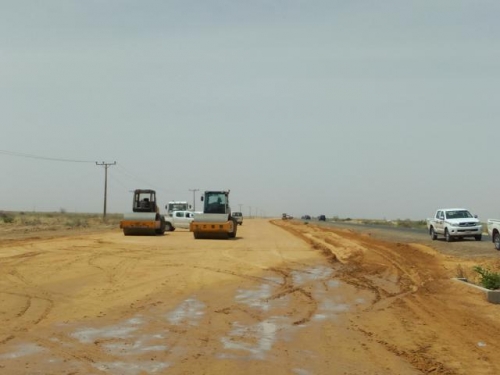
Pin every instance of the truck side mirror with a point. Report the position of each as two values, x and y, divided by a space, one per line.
201 198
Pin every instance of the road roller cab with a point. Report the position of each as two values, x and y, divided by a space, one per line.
145 218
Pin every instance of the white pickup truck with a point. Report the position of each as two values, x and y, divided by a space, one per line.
238 216
494 232
179 219
454 223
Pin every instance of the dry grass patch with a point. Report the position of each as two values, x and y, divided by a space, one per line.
16 224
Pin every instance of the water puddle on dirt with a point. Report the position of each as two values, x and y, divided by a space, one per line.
254 341
300 371
22 350
127 368
251 342
188 313
257 298
90 335
303 277
259 317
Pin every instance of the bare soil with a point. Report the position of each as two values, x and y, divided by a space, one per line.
282 298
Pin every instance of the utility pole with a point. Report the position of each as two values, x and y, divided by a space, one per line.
106 166
194 199
240 206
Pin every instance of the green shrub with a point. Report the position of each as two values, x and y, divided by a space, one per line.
7 218
489 279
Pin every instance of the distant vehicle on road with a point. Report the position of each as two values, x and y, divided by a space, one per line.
306 217
322 218
238 216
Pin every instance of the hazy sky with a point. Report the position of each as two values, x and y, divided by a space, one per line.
373 109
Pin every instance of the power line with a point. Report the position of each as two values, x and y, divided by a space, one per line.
31 156
113 177
130 175
142 181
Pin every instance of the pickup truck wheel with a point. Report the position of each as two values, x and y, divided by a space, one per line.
168 227
447 236
433 234
496 240
478 238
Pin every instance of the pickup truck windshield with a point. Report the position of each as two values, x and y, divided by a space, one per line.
462 214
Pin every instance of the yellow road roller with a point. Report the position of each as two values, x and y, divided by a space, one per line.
145 218
216 220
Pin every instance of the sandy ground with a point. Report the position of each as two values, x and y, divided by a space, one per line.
282 298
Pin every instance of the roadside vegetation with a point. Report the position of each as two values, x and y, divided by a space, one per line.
403 223
484 276
488 278
39 221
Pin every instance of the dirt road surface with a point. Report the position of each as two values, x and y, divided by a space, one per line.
282 298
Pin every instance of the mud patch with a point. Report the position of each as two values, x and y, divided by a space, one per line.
261 317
